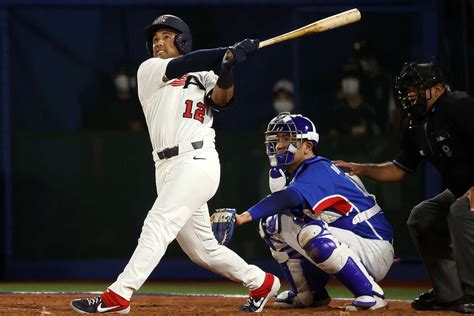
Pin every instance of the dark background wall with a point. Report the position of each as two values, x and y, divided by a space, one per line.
74 193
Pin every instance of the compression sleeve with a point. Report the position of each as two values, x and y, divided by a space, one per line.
199 60
275 203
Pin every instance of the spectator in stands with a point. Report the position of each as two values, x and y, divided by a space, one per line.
377 86
283 96
352 115
117 106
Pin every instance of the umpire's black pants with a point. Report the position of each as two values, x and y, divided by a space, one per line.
443 231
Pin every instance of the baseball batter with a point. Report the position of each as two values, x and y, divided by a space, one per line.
178 94
320 215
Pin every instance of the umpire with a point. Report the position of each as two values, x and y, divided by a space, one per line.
439 127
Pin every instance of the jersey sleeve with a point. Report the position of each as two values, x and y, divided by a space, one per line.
150 76
409 156
210 79
276 203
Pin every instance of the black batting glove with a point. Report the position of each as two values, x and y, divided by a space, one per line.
249 46
238 53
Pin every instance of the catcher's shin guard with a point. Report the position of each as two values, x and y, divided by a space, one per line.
337 259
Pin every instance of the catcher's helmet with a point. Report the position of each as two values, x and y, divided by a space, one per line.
183 40
420 76
297 127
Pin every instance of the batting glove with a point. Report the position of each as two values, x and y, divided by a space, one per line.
239 52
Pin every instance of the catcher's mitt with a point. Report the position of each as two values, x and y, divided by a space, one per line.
222 222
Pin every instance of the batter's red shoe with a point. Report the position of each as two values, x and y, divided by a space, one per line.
107 302
259 297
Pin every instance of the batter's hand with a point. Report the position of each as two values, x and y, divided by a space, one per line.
239 52
351 168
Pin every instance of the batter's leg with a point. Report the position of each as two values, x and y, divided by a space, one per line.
198 242
184 187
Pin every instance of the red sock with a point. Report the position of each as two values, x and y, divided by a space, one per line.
111 298
265 287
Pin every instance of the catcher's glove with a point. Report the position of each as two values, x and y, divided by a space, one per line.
222 222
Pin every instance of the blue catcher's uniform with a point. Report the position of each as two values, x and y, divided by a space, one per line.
327 190
321 216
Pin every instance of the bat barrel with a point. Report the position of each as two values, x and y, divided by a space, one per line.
326 24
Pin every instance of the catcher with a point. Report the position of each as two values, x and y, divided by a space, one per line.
318 221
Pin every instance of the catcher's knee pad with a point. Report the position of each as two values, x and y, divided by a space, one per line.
310 231
317 241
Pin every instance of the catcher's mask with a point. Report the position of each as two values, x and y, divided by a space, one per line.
296 128
183 40
417 78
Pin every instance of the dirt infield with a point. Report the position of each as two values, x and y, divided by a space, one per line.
55 304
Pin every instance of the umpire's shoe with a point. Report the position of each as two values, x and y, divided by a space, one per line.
259 297
465 305
428 302
107 302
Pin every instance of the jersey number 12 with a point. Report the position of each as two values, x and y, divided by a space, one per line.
198 113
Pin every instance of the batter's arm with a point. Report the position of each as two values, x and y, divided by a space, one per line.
223 92
383 172
200 60
221 97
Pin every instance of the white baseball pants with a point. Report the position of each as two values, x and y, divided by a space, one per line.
184 185
376 255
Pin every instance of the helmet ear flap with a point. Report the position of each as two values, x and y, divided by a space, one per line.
149 48
183 42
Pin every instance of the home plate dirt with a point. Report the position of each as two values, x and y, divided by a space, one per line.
58 304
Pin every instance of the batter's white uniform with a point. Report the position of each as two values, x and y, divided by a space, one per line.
176 116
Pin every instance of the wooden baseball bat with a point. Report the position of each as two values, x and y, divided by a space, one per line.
329 23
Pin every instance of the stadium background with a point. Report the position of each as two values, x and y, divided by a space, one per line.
74 198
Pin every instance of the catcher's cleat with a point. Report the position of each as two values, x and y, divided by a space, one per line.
367 302
108 302
259 297
289 299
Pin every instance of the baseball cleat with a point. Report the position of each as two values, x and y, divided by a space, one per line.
427 302
367 302
289 299
259 297
108 302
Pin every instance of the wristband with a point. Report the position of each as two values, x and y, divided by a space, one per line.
225 80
